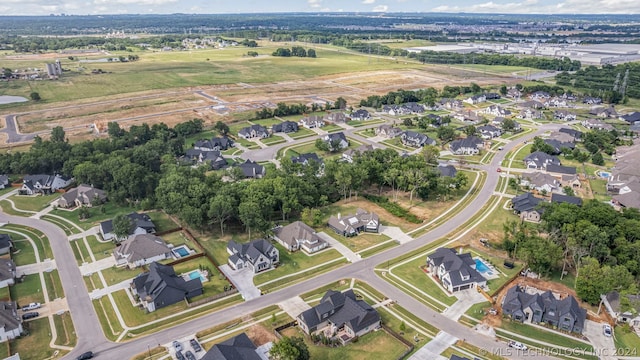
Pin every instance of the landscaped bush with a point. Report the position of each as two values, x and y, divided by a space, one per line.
393 208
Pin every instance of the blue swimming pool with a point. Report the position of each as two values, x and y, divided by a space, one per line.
604 174
197 274
481 266
181 251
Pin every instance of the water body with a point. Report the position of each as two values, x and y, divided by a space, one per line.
8 99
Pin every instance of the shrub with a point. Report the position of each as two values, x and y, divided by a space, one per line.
393 208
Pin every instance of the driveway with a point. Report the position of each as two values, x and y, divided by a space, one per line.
466 298
395 233
435 347
345 251
294 306
243 281
603 345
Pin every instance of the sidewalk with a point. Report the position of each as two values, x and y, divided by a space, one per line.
345 251
93 231
45 266
92 267
98 293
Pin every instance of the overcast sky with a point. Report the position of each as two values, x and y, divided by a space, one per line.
84 7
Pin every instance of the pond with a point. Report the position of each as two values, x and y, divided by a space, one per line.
9 99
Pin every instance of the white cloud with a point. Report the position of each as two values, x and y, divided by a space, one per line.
134 2
535 7
368 1
380 8
315 3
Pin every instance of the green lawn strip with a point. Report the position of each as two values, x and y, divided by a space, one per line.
451 351
272 140
5 294
557 351
24 253
4 349
33 203
378 296
377 248
36 345
68 229
38 237
100 249
356 123
376 345
477 311
54 285
155 353
550 336
162 221
211 332
28 291
9 210
423 323
302 133
76 251
108 320
294 262
66 334
362 241
115 275
280 283
465 346
413 274
599 188
83 250
97 214
626 341
92 282
397 144
366 133
332 128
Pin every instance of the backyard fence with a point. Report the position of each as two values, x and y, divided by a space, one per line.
211 298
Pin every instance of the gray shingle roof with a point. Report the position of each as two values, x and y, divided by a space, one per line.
457 265
239 347
141 246
342 308
525 202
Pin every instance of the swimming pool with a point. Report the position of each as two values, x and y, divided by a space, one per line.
481 266
197 274
181 251
604 174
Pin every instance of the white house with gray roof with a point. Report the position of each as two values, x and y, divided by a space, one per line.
454 271
466 146
43 184
140 250
140 224
352 225
257 255
10 322
83 195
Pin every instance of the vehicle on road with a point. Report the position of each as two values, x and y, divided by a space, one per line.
500 148
31 306
177 346
606 329
190 355
517 345
30 315
499 170
85 356
195 345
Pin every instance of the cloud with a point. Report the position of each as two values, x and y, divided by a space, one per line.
380 8
368 1
536 7
134 2
315 3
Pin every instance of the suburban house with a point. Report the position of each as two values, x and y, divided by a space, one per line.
304 159
140 224
336 140
214 144
558 145
530 114
625 176
285 127
526 206
563 136
561 169
213 158
561 198
339 315
336 117
454 271
572 181
434 120
7 272
631 118
497 110
313 121
467 146
605 113
251 169
299 235
629 315
596 124
4 181
350 154
352 225
160 287
239 347
388 131
5 244
469 116
627 200
257 255
539 160
489 131
415 139
450 104
556 102
531 104
404 109
83 195
253 131
541 182
475 99
10 322
564 115
447 170
536 307
591 100
539 95
142 249
360 115
514 93
43 184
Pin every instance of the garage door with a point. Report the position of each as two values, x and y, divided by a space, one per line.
464 287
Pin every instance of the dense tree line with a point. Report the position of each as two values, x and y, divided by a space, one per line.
601 81
295 51
282 109
536 62
599 243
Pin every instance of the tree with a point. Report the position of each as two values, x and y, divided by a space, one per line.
35 96
470 130
568 190
340 103
290 348
407 122
221 208
322 145
252 53
121 227
508 125
446 133
222 128
597 159
311 53
57 134
594 280
503 90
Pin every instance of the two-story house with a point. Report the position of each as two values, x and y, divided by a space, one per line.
257 255
454 271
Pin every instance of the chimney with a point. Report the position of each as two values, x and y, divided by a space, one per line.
339 216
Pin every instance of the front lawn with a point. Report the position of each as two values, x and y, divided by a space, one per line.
97 214
38 237
64 329
302 133
414 275
23 252
36 345
357 243
550 336
626 340
332 128
28 291
115 275
272 140
100 249
33 203
477 311
54 285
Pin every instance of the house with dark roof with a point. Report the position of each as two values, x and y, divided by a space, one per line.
285 127
214 144
561 169
254 131
142 249
447 170
467 146
304 159
622 314
415 139
5 244
313 121
539 95
212 158
251 169
7 272
558 145
450 104
627 200
456 357
160 287
388 131
497 110
531 104
526 206
535 307
10 321
4 181
561 198
257 255
489 131
605 113
351 154
591 100
83 195
140 224
336 141
352 225
631 118
339 315
434 120
454 271
539 160
360 115
299 235
239 347
576 134
43 184
564 115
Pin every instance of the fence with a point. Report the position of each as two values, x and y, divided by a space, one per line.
277 330
399 338
212 298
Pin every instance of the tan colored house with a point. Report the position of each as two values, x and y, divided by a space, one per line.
83 195
299 235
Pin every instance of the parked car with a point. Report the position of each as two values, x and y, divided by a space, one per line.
177 346
85 356
517 345
179 355
499 170
606 329
31 306
190 355
195 345
500 148
30 315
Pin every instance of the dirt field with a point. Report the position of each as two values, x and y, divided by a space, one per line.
260 335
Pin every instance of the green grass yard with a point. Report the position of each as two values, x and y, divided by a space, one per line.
100 249
115 275
413 274
36 345
28 291
54 285
33 203
66 334
24 253
357 243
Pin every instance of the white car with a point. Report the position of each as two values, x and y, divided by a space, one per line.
31 306
606 329
517 345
